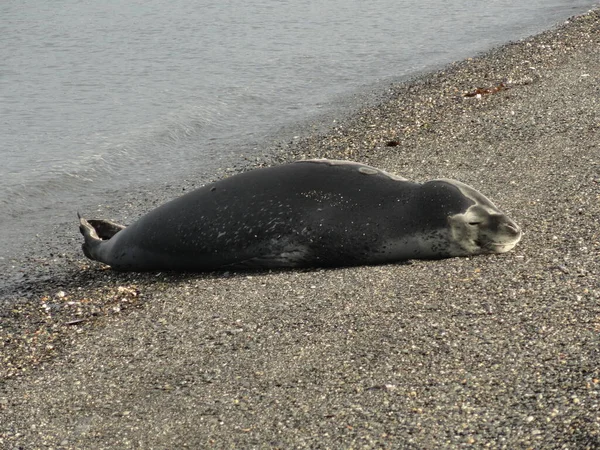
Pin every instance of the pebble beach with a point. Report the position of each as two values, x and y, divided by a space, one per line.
496 351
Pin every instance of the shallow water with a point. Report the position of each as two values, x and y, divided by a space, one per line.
99 96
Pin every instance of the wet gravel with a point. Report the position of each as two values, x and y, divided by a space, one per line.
488 352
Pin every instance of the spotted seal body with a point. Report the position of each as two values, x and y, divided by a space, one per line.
305 214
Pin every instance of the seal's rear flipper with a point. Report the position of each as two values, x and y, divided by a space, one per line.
91 239
94 233
105 229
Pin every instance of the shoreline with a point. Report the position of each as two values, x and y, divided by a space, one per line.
282 147
457 351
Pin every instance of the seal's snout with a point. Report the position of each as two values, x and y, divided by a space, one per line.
505 237
512 229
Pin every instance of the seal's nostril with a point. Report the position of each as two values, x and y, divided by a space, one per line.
513 227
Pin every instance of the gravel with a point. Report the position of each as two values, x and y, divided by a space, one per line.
489 352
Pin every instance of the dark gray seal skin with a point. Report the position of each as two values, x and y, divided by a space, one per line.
305 214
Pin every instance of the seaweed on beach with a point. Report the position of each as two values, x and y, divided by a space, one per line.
479 92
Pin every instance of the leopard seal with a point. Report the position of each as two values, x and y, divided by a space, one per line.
305 214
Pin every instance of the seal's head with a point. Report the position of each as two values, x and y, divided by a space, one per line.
482 228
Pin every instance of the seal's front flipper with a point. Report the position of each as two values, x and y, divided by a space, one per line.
270 261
